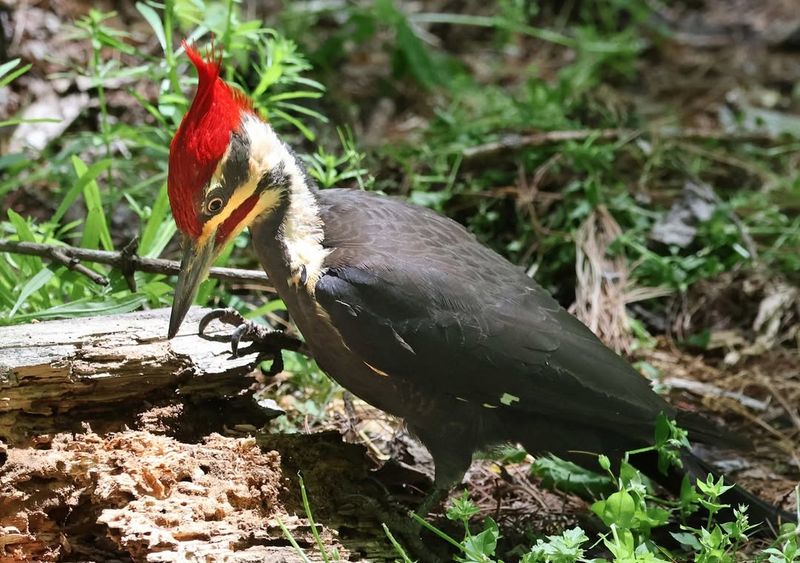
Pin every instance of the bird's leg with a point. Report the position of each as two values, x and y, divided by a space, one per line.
266 342
436 496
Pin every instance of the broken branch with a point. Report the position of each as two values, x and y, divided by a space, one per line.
70 256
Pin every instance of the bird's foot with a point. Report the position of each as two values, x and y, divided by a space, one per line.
266 342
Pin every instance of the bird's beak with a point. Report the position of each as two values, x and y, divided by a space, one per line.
196 261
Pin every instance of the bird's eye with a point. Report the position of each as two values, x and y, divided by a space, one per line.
214 205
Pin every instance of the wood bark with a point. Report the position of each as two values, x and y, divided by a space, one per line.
59 375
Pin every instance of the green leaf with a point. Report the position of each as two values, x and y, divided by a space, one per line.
462 508
24 231
483 545
6 79
95 230
268 307
417 61
29 264
7 66
294 95
155 235
619 509
88 307
72 194
17 121
154 20
307 133
31 286
567 476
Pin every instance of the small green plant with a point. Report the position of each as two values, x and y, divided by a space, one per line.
129 173
332 169
473 548
564 548
630 512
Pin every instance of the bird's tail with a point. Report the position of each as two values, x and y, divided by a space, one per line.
703 430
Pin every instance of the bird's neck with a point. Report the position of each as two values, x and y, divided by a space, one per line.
295 229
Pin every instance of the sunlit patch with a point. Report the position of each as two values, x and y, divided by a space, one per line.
376 370
508 399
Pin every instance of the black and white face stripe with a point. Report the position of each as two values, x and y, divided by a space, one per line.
235 172
276 179
236 168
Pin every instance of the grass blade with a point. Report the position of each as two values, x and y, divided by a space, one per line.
33 285
398 548
292 541
95 231
154 20
314 531
69 198
159 229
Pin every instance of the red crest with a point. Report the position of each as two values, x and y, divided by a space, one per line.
201 139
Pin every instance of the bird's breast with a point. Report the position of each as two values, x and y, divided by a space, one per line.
323 339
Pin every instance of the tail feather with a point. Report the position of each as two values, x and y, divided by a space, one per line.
705 431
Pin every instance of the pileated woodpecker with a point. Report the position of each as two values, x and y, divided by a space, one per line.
404 307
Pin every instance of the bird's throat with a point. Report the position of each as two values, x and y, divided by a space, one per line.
295 227
302 231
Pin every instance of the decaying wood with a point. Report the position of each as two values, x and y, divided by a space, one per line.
136 496
78 483
57 375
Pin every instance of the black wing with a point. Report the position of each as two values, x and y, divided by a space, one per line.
416 296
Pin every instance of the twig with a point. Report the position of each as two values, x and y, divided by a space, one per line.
73 264
708 390
69 256
514 142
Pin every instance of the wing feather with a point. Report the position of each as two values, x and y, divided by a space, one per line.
447 313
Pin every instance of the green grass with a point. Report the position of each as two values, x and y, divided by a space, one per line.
112 164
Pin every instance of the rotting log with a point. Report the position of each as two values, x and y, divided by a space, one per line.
76 483
137 496
57 376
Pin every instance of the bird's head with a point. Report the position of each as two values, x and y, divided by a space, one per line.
219 178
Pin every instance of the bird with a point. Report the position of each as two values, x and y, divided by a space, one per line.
407 310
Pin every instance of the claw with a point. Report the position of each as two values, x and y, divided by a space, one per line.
229 316
267 343
236 336
276 367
